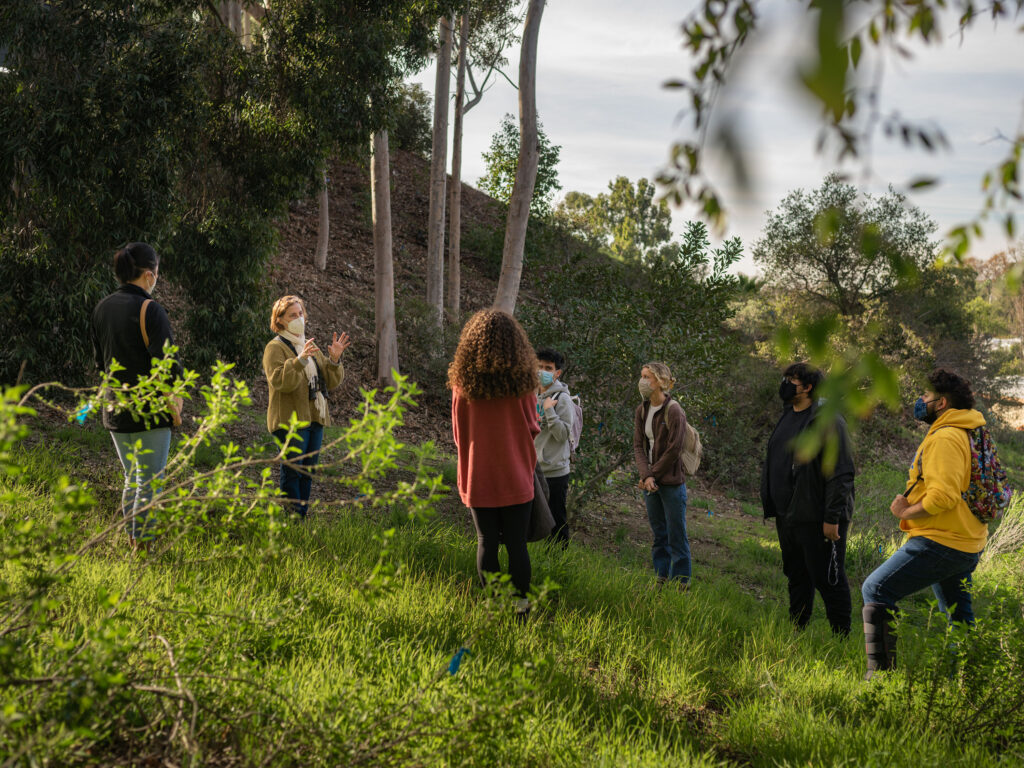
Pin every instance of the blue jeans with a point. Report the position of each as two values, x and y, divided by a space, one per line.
920 563
141 466
297 480
666 512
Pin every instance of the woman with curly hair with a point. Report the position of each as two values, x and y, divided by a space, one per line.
494 420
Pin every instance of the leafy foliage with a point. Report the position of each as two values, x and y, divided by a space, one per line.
152 121
413 121
502 160
843 249
626 219
609 318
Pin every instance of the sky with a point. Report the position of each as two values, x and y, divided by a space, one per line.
601 69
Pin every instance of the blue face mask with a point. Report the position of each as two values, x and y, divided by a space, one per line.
546 378
921 411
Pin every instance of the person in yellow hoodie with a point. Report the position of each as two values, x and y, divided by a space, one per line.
944 538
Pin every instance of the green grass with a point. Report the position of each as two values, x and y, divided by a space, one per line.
607 672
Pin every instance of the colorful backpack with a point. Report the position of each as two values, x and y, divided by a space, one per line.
988 495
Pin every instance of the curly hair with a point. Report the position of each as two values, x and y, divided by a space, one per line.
494 358
954 388
662 374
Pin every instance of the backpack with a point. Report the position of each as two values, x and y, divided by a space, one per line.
692 451
987 494
577 422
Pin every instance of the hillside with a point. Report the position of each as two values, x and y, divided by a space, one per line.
341 298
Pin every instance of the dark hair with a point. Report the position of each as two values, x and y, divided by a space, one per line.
806 374
552 356
952 387
134 259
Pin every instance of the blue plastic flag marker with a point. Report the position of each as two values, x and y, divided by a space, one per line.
82 413
456 662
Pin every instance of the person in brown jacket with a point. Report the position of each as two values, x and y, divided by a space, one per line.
658 433
299 376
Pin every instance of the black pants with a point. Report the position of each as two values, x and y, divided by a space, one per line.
811 562
508 526
559 488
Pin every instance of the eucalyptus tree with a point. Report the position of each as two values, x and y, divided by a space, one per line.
486 30
439 175
526 170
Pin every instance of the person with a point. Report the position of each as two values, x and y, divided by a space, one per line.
299 376
944 539
554 448
811 503
142 444
658 434
493 379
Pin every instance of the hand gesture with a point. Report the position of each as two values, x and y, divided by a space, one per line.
899 505
549 402
309 350
338 345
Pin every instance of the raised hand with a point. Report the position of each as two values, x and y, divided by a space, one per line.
309 350
340 343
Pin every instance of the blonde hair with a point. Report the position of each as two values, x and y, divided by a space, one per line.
663 375
281 306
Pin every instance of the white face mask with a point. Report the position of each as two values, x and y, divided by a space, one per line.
297 327
152 287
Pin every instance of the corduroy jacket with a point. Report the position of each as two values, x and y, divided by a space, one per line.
289 387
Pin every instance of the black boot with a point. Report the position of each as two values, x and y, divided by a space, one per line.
879 638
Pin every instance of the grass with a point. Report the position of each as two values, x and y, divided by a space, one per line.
607 672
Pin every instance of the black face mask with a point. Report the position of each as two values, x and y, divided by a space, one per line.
787 390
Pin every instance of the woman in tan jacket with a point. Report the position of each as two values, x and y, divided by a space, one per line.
299 376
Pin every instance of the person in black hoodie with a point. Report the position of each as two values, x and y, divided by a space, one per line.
812 507
121 332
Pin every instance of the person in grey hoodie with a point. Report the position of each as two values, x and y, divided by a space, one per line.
555 412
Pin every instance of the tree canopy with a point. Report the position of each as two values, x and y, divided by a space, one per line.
626 220
843 247
502 160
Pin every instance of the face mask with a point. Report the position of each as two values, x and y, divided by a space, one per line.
645 388
297 327
787 390
153 286
921 412
546 378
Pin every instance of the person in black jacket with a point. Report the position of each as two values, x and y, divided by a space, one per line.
117 334
812 508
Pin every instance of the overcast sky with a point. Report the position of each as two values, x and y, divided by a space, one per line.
600 74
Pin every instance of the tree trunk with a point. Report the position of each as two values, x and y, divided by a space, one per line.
383 266
526 171
438 169
455 206
231 16
324 229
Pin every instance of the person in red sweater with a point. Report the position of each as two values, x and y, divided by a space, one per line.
493 379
